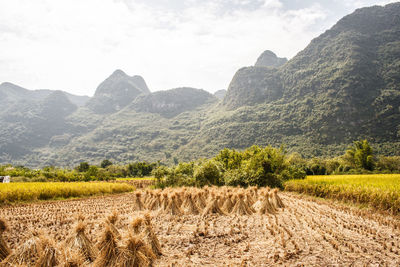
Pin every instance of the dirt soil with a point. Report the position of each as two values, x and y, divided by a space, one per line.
305 233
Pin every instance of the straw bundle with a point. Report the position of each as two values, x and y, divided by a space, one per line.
228 204
266 206
138 205
4 250
72 258
80 242
47 253
135 253
151 236
277 199
173 207
137 224
212 207
108 249
241 207
26 254
111 221
189 206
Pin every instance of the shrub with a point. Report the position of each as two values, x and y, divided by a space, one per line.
207 173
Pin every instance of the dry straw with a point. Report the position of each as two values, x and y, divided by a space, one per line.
26 254
266 206
228 204
137 225
190 206
151 236
48 254
173 207
241 207
138 205
80 242
4 250
213 207
108 249
111 221
135 253
277 199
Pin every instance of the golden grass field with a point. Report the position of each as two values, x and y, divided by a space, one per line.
26 192
222 226
380 191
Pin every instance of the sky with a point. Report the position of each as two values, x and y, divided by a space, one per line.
73 45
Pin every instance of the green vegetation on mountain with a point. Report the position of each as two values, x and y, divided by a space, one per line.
344 86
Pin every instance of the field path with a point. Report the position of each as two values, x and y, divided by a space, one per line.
305 233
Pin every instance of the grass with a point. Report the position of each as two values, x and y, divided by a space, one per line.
135 178
28 192
380 191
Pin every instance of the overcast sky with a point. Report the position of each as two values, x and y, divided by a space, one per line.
73 45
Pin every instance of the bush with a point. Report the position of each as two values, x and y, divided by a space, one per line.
105 163
207 173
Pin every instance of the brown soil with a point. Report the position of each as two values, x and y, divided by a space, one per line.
304 233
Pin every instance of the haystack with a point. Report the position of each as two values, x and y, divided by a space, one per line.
266 206
108 249
228 204
241 207
135 253
164 202
173 207
111 221
155 202
73 258
137 225
151 236
26 254
48 254
81 243
277 200
213 208
189 206
4 250
138 204
200 200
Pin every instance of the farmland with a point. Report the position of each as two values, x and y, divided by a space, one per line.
380 191
27 192
202 227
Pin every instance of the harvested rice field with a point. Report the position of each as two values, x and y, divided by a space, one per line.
197 227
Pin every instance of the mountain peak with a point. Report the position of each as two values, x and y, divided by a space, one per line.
117 91
270 59
119 72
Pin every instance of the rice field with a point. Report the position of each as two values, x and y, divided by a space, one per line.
222 226
135 179
27 192
380 191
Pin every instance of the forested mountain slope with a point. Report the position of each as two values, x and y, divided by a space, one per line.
343 86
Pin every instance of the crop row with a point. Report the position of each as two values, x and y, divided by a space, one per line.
380 191
25 192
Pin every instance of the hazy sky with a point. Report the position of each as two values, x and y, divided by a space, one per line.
73 45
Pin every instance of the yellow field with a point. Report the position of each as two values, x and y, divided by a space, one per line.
23 192
135 178
381 191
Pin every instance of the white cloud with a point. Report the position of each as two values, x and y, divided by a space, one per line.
73 45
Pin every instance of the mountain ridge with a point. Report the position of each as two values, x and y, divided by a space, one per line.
345 85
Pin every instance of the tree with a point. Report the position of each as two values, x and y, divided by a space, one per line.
361 155
83 167
105 163
207 173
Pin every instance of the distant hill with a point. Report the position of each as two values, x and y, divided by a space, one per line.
345 85
172 102
270 59
220 94
116 92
